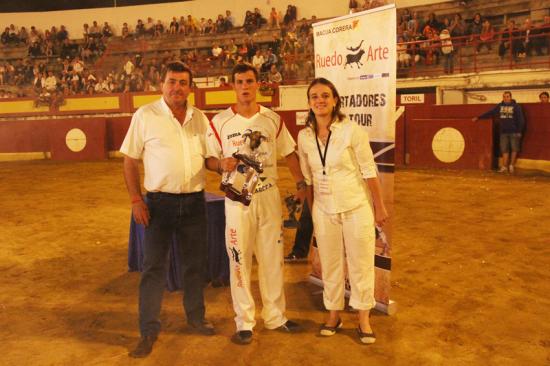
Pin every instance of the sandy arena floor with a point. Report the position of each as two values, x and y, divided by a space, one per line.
471 277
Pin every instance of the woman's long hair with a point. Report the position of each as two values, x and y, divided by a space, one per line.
311 121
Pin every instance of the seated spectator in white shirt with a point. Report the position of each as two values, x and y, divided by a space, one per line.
258 60
51 82
274 76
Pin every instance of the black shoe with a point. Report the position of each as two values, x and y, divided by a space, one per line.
203 327
289 327
242 337
295 258
144 347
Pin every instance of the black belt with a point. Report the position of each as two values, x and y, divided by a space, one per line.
155 195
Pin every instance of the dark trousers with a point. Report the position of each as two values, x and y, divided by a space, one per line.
304 233
179 217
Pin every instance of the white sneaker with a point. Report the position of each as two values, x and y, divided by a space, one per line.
511 169
503 169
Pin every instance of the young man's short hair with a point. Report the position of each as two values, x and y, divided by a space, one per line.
545 94
242 68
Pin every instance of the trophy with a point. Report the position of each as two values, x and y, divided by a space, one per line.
239 185
293 207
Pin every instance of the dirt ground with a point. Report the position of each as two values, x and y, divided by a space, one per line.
471 277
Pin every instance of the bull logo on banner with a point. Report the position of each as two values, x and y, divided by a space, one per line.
355 58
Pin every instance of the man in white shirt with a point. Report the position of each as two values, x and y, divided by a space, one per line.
51 82
256 228
168 135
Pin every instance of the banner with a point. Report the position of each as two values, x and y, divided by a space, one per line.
357 52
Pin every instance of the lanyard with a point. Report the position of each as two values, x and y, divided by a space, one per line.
323 156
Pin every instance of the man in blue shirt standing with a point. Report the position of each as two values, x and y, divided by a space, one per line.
511 126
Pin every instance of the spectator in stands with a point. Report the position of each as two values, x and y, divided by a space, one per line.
220 24
543 97
85 31
249 24
53 34
510 41
34 35
174 26
270 59
231 52
125 32
63 34
530 36
14 34
107 31
458 26
229 20
140 29
474 30
181 25
149 27
23 35
290 15
159 29
258 60
223 83
78 65
217 55
35 49
258 18
274 76
511 127
95 31
486 36
191 25
403 56
128 66
5 36
447 51
433 23
208 27
274 18
413 26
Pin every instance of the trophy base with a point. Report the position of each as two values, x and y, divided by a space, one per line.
243 197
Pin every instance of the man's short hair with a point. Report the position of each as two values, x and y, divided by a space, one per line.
177 66
507 92
545 94
242 68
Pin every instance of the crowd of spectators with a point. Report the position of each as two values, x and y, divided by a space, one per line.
56 63
429 39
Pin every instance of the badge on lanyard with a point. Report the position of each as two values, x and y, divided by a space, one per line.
324 185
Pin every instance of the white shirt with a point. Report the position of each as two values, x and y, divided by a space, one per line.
50 82
257 61
230 127
173 154
349 160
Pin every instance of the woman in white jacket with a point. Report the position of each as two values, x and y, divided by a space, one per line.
342 181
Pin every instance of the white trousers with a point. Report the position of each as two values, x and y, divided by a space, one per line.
256 229
342 238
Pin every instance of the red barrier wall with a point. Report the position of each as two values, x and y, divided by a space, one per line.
33 135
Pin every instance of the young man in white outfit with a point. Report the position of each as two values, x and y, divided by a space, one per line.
256 228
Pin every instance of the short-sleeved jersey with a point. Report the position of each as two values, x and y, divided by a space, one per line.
263 136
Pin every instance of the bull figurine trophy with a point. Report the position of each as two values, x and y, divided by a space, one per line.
239 184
